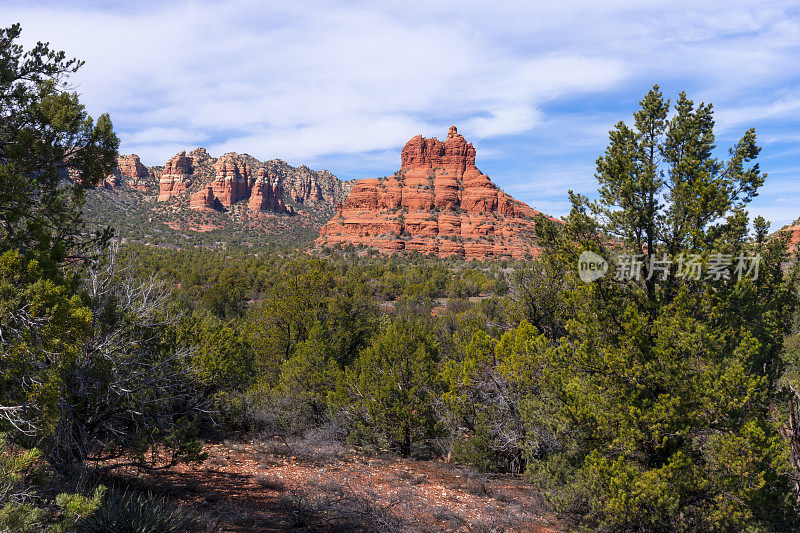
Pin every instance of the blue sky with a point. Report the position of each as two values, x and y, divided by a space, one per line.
343 85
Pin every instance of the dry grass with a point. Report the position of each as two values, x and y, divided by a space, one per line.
311 448
270 482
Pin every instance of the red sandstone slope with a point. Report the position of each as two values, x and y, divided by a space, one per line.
793 230
439 203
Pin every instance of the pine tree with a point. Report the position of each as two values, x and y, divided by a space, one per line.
665 386
389 392
311 373
51 151
86 369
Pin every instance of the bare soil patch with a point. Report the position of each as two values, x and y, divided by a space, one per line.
266 485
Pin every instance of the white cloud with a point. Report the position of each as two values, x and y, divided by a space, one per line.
164 135
787 108
352 81
298 82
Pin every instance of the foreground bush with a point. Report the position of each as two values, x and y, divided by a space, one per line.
387 395
23 509
126 512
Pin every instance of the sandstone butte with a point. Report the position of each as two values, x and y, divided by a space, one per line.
174 178
439 203
137 175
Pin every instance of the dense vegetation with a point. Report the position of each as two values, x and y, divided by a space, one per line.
653 403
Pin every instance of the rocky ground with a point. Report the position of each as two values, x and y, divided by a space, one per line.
273 485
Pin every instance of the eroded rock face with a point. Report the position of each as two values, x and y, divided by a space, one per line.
232 181
306 186
129 169
175 179
202 199
111 182
130 166
254 201
439 203
267 193
203 182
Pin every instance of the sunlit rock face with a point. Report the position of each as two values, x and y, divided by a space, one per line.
438 203
204 182
175 178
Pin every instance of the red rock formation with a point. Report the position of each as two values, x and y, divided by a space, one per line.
439 203
175 177
129 169
232 180
199 156
793 231
267 194
202 199
225 182
137 175
306 186
317 189
111 182
130 166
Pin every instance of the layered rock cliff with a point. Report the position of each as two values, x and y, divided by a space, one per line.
202 182
129 169
233 180
175 178
233 198
267 192
137 175
439 203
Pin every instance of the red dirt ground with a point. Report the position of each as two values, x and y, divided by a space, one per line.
262 486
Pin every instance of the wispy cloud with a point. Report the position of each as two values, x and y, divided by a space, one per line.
784 108
535 85
299 82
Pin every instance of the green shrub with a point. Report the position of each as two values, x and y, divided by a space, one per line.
21 508
19 517
311 373
388 394
126 512
477 451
